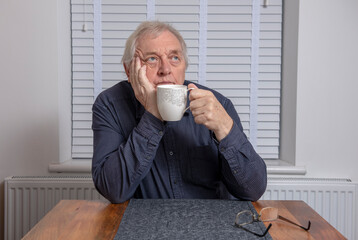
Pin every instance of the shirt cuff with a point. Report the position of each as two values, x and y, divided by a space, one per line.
151 127
229 145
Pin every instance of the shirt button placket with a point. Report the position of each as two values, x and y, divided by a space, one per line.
175 176
173 163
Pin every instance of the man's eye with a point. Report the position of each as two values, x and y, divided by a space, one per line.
175 58
151 59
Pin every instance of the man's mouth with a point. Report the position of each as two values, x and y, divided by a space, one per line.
165 83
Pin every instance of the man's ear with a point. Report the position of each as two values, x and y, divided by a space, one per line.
126 69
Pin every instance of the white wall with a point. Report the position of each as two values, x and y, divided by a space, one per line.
327 112
28 90
327 88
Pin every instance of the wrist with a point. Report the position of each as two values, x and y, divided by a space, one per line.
155 113
224 129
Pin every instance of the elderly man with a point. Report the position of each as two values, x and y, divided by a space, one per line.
138 155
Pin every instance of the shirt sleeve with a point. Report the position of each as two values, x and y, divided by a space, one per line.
243 170
121 162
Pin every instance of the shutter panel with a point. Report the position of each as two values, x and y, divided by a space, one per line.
228 53
229 65
269 80
82 78
119 20
228 32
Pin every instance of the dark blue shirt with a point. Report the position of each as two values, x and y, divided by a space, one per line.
137 155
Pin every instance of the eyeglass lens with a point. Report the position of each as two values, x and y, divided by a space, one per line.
268 214
244 217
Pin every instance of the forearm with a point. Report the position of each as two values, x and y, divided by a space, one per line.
120 162
243 170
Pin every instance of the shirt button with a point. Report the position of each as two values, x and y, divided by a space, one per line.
175 181
222 149
160 133
171 153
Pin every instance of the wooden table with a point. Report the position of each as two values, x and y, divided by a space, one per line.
81 219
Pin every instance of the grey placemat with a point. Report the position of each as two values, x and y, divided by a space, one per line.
185 219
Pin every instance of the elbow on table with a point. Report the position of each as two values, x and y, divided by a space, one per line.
116 200
258 183
258 195
257 192
112 195
254 191
112 192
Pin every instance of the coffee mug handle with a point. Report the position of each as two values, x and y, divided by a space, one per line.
187 107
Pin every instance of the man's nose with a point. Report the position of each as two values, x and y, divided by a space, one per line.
164 68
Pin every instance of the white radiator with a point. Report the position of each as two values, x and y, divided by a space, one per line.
28 199
333 199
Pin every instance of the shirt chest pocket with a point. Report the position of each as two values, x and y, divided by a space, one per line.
201 166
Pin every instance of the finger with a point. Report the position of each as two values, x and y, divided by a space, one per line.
132 71
197 107
206 102
192 85
207 111
199 93
138 64
203 119
142 75
197 112
135 66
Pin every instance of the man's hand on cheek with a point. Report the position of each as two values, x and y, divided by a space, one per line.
144 90
208 111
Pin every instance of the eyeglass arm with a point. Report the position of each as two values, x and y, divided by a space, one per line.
257 234
287 220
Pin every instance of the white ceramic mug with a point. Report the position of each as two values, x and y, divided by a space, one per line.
171 101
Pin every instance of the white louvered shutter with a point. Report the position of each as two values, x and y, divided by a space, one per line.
221 61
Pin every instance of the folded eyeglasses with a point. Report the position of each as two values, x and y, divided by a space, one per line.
266 214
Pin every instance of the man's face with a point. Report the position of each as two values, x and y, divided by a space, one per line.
163 57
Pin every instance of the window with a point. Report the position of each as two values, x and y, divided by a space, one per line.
234 47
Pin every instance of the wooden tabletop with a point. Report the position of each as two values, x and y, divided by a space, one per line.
300 213
82 219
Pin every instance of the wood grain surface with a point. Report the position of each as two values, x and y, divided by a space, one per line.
81 219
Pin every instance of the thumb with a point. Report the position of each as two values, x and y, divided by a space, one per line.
143 71
192 94
192 85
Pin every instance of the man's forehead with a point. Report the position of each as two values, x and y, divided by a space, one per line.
158 42
160 51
